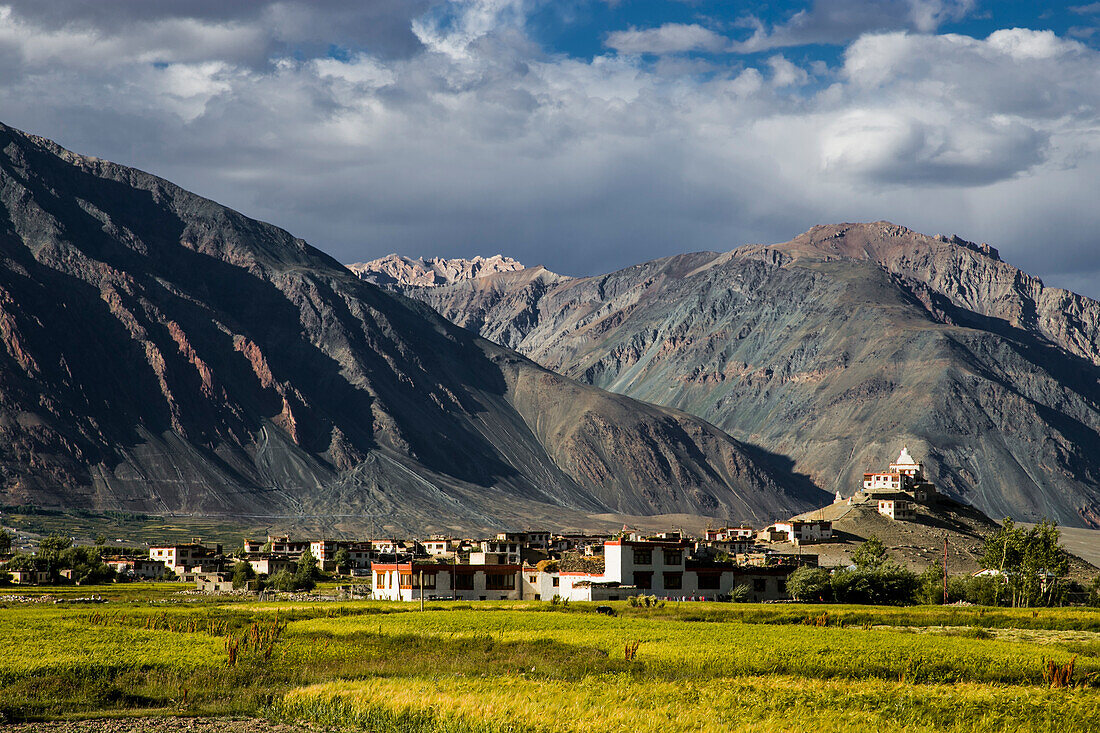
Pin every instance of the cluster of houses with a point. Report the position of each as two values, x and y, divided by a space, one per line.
540 565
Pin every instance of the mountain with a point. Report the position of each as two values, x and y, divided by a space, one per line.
835 349
395 269
164 354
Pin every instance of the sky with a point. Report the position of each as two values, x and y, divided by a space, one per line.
588 135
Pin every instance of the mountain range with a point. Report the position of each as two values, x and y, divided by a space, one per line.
836 349
163 354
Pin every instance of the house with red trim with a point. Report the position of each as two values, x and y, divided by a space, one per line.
410 581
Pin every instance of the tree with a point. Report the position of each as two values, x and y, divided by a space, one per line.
282 580
305 576
86 564
808 584
342 559
1030 563
1094 593
870 555
930 585
242 573
5 542
23 561
50 549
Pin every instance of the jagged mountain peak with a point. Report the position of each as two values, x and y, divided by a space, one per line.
399 271
879 241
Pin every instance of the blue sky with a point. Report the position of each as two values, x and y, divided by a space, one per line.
587 135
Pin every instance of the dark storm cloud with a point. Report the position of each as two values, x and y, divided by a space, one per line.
469 139
381 26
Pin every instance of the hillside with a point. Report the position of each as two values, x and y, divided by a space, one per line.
164 354
834 350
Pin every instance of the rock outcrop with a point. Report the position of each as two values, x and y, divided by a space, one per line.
835 349
431 271
162 353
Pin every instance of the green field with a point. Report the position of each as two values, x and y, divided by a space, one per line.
528 666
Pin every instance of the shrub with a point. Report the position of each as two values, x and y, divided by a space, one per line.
809 584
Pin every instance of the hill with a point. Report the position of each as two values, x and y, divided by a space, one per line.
164 354
835 349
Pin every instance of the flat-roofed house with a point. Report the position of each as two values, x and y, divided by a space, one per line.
440 581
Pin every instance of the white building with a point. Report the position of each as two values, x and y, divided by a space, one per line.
898 509
906 466
438 581
192 557
799 531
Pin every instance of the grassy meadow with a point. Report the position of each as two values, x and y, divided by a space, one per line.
511 666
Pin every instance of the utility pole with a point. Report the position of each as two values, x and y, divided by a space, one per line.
945 570
421 588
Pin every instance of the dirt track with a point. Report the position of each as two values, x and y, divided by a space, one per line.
162 725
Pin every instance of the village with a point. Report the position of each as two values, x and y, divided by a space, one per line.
750 563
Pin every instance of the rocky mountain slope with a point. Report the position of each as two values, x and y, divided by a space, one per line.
429 272
161 353
835 349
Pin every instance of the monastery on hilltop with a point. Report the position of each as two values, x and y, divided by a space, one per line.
894 493
898 490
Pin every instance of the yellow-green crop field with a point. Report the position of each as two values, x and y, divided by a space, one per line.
387 667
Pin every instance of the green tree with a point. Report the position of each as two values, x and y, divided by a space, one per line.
930 585
5 542
870 555
50 549
86 564
23 561
809 584
242 573
1030 563
1094 592
342 559
282 580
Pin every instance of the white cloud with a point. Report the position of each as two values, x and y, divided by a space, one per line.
480 142
668 38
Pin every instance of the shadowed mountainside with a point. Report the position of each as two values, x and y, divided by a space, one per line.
162 353
835 349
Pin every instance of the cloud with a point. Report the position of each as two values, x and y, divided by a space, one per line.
666 39
476 140
384 27
839 21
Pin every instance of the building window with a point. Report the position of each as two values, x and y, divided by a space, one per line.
464 581
407 580
674 581
499 581
643 557
429 580
554 582
643 580
532 579
760 585
673 557
781 584
710 581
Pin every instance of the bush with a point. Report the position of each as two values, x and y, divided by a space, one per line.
739 593
884 585
282 580
809 584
